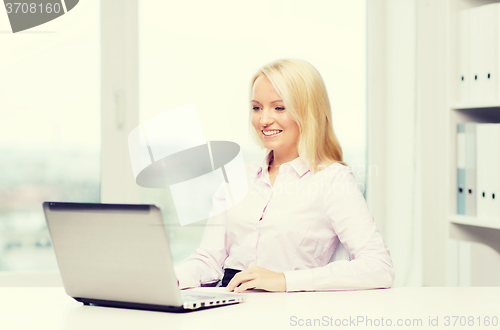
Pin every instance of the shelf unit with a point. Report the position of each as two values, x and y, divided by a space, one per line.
473 221
465 228
472 229
474 105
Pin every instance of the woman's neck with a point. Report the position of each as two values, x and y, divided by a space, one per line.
277 159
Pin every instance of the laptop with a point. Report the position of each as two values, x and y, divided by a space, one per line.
118 255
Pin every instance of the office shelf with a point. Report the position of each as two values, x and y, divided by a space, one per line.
464 228
474 221
474 105
484 232
477 230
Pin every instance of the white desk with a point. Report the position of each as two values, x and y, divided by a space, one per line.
51 308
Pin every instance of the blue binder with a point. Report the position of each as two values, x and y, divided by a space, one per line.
461 205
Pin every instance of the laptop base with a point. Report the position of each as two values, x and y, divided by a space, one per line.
148 307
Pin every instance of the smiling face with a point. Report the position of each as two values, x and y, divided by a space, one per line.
276 129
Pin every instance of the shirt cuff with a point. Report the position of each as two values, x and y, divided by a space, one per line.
299 280
185 278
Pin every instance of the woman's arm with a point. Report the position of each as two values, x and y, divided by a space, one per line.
371 264
205 264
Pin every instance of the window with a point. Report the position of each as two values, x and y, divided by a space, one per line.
49 129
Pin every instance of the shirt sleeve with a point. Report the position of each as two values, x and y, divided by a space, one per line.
205 264
370 266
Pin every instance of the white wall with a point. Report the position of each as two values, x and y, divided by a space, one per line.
207 52
393 124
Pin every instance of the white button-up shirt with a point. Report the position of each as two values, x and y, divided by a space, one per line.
294 227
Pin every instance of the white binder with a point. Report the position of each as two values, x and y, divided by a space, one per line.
488 65
488 171
476 52
494 200
470 169
482 142
464 78
498 49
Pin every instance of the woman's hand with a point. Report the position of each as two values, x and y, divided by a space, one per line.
257 277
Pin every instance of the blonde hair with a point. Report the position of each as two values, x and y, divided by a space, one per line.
304 94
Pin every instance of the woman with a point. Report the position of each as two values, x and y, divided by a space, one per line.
303 201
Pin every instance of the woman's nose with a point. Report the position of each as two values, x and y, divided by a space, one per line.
266 118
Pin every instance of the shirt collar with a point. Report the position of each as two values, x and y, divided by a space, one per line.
264 164
297 164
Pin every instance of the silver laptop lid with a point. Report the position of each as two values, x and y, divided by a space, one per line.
113 252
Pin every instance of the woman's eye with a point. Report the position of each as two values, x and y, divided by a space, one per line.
255 108
280 108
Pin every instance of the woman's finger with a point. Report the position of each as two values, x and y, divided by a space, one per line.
239 278
245 286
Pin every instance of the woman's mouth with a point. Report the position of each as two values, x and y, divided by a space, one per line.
271 133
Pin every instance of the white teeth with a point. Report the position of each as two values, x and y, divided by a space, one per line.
271 132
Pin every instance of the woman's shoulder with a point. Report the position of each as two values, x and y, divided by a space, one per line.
335 170
339 180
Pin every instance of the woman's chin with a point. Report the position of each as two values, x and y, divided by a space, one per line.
270 145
